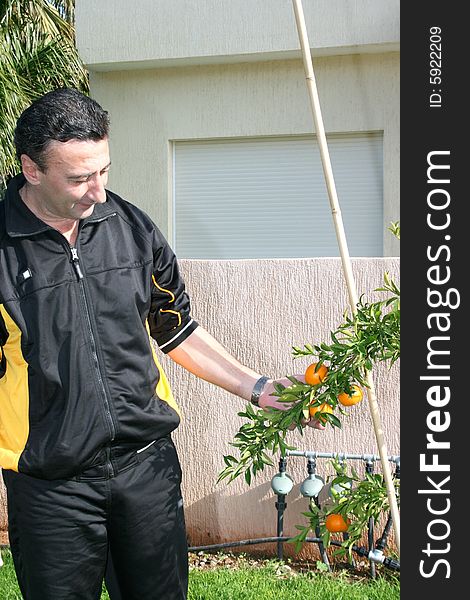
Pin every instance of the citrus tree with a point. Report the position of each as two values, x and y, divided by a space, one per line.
354 500
334 381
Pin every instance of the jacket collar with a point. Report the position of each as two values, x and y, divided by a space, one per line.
20 221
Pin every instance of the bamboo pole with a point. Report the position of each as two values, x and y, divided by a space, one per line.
345 258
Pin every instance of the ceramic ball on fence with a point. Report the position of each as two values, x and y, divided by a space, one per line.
282 484
312 486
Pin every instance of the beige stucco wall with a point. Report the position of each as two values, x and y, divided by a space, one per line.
176 70
112 35
259 309
150 109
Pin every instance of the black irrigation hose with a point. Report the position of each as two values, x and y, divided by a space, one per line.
360 550
249 542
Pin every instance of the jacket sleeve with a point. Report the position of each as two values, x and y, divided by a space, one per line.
169 318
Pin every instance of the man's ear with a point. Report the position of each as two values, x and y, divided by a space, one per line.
30 169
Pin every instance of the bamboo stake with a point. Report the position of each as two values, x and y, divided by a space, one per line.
345 258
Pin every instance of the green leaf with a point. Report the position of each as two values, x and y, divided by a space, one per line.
333 419
229 460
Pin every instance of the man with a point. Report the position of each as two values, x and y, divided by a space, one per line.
86 412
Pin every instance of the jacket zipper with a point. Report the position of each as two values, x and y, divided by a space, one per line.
109 464
79 273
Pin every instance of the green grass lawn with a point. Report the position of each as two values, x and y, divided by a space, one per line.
264 584
269 582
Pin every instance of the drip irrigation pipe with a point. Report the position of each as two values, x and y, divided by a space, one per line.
341 456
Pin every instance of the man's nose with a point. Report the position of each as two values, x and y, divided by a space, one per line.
96 191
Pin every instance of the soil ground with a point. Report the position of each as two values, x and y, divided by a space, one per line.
290 567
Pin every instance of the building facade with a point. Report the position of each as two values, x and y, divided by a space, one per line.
212 127
213 136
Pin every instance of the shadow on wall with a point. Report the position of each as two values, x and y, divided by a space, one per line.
209 519
216 519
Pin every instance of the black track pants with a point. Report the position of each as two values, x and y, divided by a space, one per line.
60 530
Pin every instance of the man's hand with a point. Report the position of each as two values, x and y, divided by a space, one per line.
266 399
201 354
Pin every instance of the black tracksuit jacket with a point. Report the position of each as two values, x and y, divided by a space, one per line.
77 367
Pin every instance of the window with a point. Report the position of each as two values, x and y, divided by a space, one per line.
267 197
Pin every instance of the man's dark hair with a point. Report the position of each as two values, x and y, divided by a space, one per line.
61 115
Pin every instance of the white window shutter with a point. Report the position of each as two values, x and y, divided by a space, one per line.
267 197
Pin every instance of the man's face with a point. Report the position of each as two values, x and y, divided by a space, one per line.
74 179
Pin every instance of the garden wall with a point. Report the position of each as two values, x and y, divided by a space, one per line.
259 309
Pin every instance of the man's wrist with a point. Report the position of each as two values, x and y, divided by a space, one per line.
258 389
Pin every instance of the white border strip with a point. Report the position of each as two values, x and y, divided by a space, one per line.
176 336
145 447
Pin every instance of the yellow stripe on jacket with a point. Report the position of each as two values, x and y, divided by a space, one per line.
14 398
163 386
172 299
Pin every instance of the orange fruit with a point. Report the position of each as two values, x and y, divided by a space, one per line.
323 408
354 398
335 523
312 376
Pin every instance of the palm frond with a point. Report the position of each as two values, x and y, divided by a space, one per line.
52 16
37 54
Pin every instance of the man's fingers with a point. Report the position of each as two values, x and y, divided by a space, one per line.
266 400
303 422
315 423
